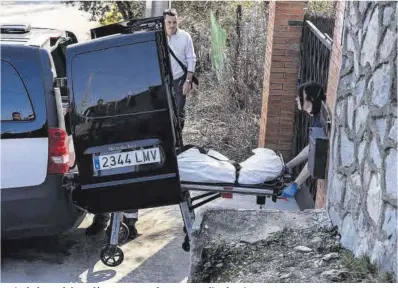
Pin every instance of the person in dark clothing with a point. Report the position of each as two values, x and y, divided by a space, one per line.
309 99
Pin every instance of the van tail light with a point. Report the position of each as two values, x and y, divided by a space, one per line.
58 154
226 195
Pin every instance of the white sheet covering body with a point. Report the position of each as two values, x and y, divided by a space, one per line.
194 166
265 165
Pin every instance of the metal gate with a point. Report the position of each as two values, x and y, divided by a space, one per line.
315 50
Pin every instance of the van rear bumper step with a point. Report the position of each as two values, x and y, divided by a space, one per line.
128 181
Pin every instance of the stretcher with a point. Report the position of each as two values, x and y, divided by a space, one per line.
112 255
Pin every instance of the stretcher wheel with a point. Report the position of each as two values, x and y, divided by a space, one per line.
112 256
124 232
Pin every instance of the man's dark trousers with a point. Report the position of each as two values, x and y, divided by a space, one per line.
180 98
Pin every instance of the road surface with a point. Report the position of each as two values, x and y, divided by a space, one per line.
155 256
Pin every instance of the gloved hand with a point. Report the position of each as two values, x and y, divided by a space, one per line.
290 190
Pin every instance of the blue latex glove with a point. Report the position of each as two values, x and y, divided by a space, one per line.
290 191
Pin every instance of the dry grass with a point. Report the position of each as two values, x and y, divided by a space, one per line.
215 121
224 115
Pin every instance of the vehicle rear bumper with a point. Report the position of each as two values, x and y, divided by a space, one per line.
44 210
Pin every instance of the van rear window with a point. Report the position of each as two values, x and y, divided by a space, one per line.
15 101
119 80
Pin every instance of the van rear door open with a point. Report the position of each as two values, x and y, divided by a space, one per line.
123 122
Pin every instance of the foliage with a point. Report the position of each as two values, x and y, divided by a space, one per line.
321 8
99 9
113 16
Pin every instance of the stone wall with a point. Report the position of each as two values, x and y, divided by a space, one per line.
333 81
362 183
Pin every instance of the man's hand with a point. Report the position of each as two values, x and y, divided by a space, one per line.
186 88
290 191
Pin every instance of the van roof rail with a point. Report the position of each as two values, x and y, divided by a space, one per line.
15 28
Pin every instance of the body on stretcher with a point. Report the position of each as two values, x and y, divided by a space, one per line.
200 170
262 175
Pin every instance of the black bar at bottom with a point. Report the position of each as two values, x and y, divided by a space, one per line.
202 196
205 201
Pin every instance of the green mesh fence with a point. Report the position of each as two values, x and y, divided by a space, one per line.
218 47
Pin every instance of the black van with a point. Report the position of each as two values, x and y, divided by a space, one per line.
123 118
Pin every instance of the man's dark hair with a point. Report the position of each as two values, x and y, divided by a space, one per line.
170 12
315 94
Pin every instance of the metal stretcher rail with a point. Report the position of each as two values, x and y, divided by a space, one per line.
228 188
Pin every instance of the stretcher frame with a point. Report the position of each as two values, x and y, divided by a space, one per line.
112 255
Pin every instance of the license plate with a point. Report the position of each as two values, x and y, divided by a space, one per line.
126 159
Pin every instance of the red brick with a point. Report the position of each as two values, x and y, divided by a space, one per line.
281 28
285 124
290 61
279 53
281 22
285 147
285 141
273 120
271 140
286 132
282 80
287 113
291 73
294 40
278 70
274 112
289 11
279 59
280 41
284 4
273 133
289 85
279 46
278 64
275 86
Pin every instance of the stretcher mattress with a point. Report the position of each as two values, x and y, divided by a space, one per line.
199 166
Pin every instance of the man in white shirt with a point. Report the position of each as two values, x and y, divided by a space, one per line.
181 45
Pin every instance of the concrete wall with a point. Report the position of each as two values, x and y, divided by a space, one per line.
362 183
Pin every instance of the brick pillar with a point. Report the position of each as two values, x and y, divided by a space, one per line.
333 82
280 75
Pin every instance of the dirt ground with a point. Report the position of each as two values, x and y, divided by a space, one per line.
305 248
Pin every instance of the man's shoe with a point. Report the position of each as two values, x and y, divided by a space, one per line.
100 222
133 233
